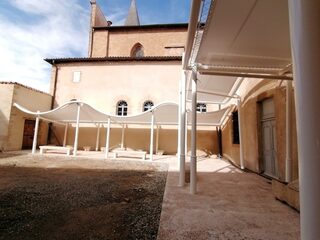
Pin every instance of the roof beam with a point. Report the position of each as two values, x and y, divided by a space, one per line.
245 75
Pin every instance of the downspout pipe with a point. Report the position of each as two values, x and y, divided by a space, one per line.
53 97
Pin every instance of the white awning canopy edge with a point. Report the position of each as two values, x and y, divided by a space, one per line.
66 113
215 89
165 113
214 118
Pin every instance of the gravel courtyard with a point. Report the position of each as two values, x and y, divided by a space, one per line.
112 200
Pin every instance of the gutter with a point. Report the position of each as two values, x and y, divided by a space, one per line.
192 28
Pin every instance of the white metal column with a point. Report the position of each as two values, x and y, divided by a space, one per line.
35 137
179 122
108 138
305 39
182 156
65 134
193 160
98 137
240 134
151 136
157 139
75 146
122 137
288 132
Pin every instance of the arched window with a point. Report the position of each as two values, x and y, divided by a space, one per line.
122 108
137 51
147 105
201 107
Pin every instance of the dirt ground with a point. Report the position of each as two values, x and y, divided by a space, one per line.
73 203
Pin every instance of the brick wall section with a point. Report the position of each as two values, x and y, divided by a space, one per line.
100 47
156 42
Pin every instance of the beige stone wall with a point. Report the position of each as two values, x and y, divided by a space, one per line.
6 93
156 42
137 138
251 125
34 101
103 85
230 151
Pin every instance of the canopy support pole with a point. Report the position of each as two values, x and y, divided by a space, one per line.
122 137
193 160
98 137
182 126
35 137
288 131
65 134
186 138
157 139
179 123
108 139
75 146
305 38
151 136
240 133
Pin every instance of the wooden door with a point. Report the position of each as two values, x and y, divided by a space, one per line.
268 141
28 134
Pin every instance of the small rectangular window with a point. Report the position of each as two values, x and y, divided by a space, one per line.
76 77
235 128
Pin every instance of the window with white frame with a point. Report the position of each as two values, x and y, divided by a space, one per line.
122 108
76 77
201 107
147 105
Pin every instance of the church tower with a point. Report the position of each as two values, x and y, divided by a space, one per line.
97 19
133 17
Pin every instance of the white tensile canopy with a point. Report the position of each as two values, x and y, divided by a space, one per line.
256 38
229 40
80 112
164 114
247 36
214 89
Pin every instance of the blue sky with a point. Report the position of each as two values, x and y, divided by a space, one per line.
32 30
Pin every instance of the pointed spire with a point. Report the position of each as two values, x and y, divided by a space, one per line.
133 17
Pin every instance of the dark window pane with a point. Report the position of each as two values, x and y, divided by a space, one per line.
235 128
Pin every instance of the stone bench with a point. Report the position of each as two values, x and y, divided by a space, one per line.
129 153
68 150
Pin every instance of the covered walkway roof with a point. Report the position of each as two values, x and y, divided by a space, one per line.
247 36
229 40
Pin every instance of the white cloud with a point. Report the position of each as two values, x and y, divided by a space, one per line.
56 28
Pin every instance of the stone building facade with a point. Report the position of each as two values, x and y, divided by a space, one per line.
136 64
17 128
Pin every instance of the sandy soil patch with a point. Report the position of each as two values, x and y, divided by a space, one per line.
115 200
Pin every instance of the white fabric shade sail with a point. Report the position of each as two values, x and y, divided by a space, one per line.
250 36
215 89
229 40
164 114
215 118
